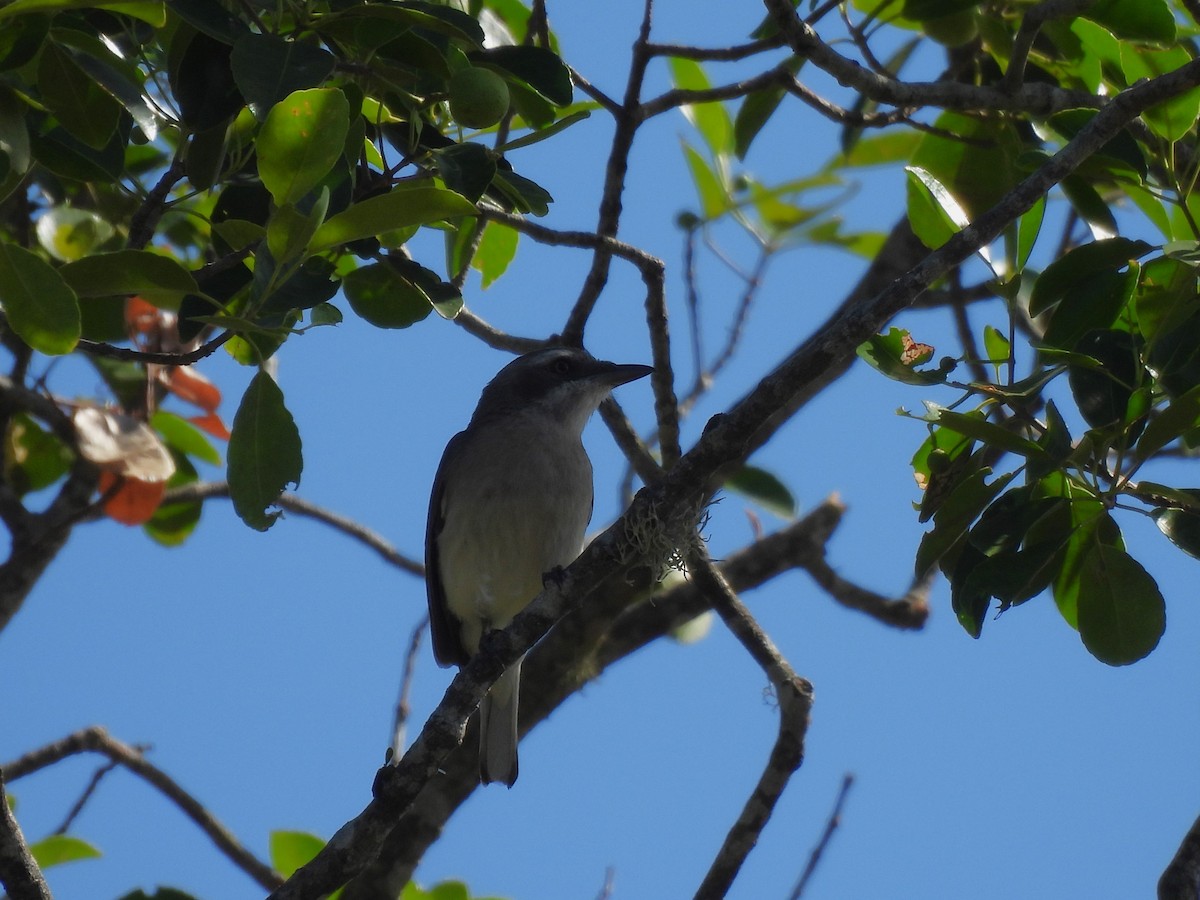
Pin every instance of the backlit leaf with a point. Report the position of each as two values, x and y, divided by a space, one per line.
155 278
41 307
401 207
300 141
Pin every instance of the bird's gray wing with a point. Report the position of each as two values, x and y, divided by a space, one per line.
444 626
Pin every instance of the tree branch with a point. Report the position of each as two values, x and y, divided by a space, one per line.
1181 879
663 515
206 490
1036 98
577 651
627 122
19 872
97 740
126 354
835 819
795 703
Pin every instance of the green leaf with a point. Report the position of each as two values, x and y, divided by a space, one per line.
292 849
539 135
289 230
122 81
83 107
1104 392
405 205
960 149
763 488
155 278
926 216
1120 157
61 848
1134 20
920 10
1095 302
301 140
710 119
33 457
1042 527
539 68
1122 614
264 452
1028 228
41 307
68 233
180 434
173 523
714 196
756 110
14 141
1175 354
496 250
515 192
202 82
21 40
896 354
1181 526
1078 265
466 169
384 297
955 515
1093 208
267 68
969 603
325 314
1165 297
1174 118
149 11
1091 525
1180 417
996 345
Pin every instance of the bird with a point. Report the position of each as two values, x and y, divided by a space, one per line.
510 504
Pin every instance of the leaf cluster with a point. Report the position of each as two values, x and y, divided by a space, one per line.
234 169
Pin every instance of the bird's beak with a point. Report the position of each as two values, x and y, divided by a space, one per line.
616 374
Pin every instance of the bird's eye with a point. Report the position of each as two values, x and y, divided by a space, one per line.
562 366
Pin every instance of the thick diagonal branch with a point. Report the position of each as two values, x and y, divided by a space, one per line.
668 510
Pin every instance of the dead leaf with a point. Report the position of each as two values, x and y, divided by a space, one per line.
132 502
122 444
189 385
914 352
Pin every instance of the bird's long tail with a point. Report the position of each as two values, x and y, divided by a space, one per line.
498 728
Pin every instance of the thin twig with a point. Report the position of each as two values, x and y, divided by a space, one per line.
145 220
97 740
403 707
182 358
89 792
1033 98
627 121
205 490
794 695
835 819
715 54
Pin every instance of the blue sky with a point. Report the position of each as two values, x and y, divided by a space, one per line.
264 667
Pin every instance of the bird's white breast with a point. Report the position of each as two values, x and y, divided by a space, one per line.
509 520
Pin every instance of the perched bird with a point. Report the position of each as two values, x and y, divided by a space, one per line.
510 502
